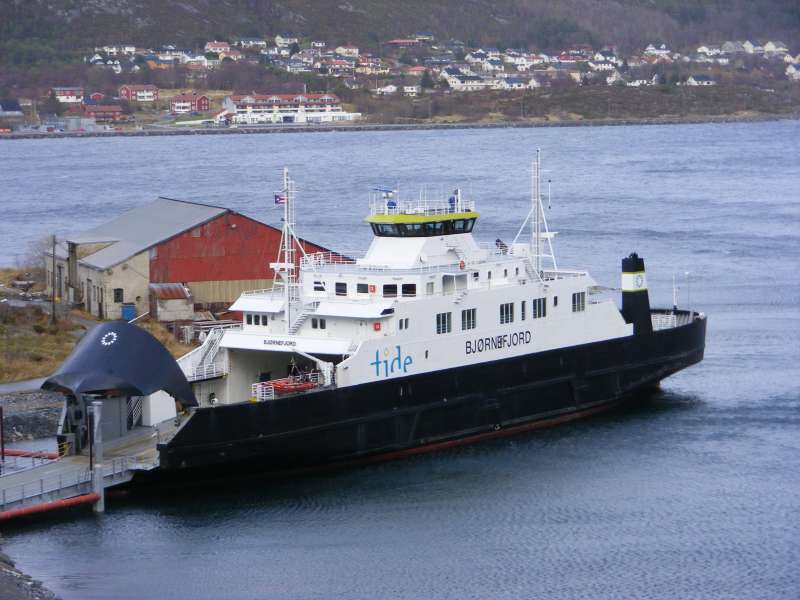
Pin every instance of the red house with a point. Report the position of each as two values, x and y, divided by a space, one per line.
186 103
103 112
138 92
97 97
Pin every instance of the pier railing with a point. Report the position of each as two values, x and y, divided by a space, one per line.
64 484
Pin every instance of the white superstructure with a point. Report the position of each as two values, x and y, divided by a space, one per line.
424 297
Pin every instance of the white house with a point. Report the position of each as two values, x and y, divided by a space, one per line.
661 50
285 40
386 90
792 73
775 48
68 95
412 91
753 47
348 51
700 80
252 109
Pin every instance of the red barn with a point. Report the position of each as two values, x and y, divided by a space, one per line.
103 112
212 251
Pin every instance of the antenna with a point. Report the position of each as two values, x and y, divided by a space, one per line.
285 266
536 203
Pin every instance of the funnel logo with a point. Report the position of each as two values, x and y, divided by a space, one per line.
108 338
639 280
386 366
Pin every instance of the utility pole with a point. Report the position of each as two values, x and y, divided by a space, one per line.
53 282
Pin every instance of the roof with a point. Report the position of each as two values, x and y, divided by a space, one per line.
169 291
143 227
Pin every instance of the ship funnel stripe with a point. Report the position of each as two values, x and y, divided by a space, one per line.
634 282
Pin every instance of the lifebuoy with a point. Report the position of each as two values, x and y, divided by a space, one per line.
461 265
376 326
372 288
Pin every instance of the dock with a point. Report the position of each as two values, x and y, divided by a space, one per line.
49 484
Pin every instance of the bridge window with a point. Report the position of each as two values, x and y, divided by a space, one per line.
507 313
341 288
362 288
433 228
256 319
318 323
468 318
404 323
444 322
390 290
409 290
429 288
319 286
578 301
522 310
249 318
538 308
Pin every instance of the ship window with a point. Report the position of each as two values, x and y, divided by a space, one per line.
522 310
489 275
409 290
118 295
459 226
468 320
578 301
507 313
505 272
404 323
444 322
249 319
469 225
256 319
341 288
538 308
476 275
322 324
429 288
319 286
314 323
362 288
555 300
390 290
516 271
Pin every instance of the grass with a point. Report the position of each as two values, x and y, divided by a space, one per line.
163 335
31 346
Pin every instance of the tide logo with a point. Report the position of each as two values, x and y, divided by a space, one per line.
385 367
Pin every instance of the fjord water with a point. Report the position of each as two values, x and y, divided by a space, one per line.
693 492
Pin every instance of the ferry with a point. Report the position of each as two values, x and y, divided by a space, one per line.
429 340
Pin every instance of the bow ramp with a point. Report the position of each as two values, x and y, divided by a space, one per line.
120 387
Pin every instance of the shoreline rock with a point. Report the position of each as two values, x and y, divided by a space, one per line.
16 585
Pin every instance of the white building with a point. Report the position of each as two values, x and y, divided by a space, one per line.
254 109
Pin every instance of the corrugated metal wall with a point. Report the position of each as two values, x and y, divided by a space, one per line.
224 291
220 259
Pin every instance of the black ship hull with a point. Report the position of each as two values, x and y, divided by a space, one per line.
398 417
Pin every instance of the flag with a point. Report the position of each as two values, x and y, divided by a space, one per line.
280 198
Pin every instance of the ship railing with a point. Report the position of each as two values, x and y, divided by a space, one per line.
264 391
318 259
422 206
670 319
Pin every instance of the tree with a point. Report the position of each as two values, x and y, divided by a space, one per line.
52 105
294 49
427 81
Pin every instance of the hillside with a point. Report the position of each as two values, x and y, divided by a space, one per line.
36 30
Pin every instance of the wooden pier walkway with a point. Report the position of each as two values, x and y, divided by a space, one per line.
71 476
